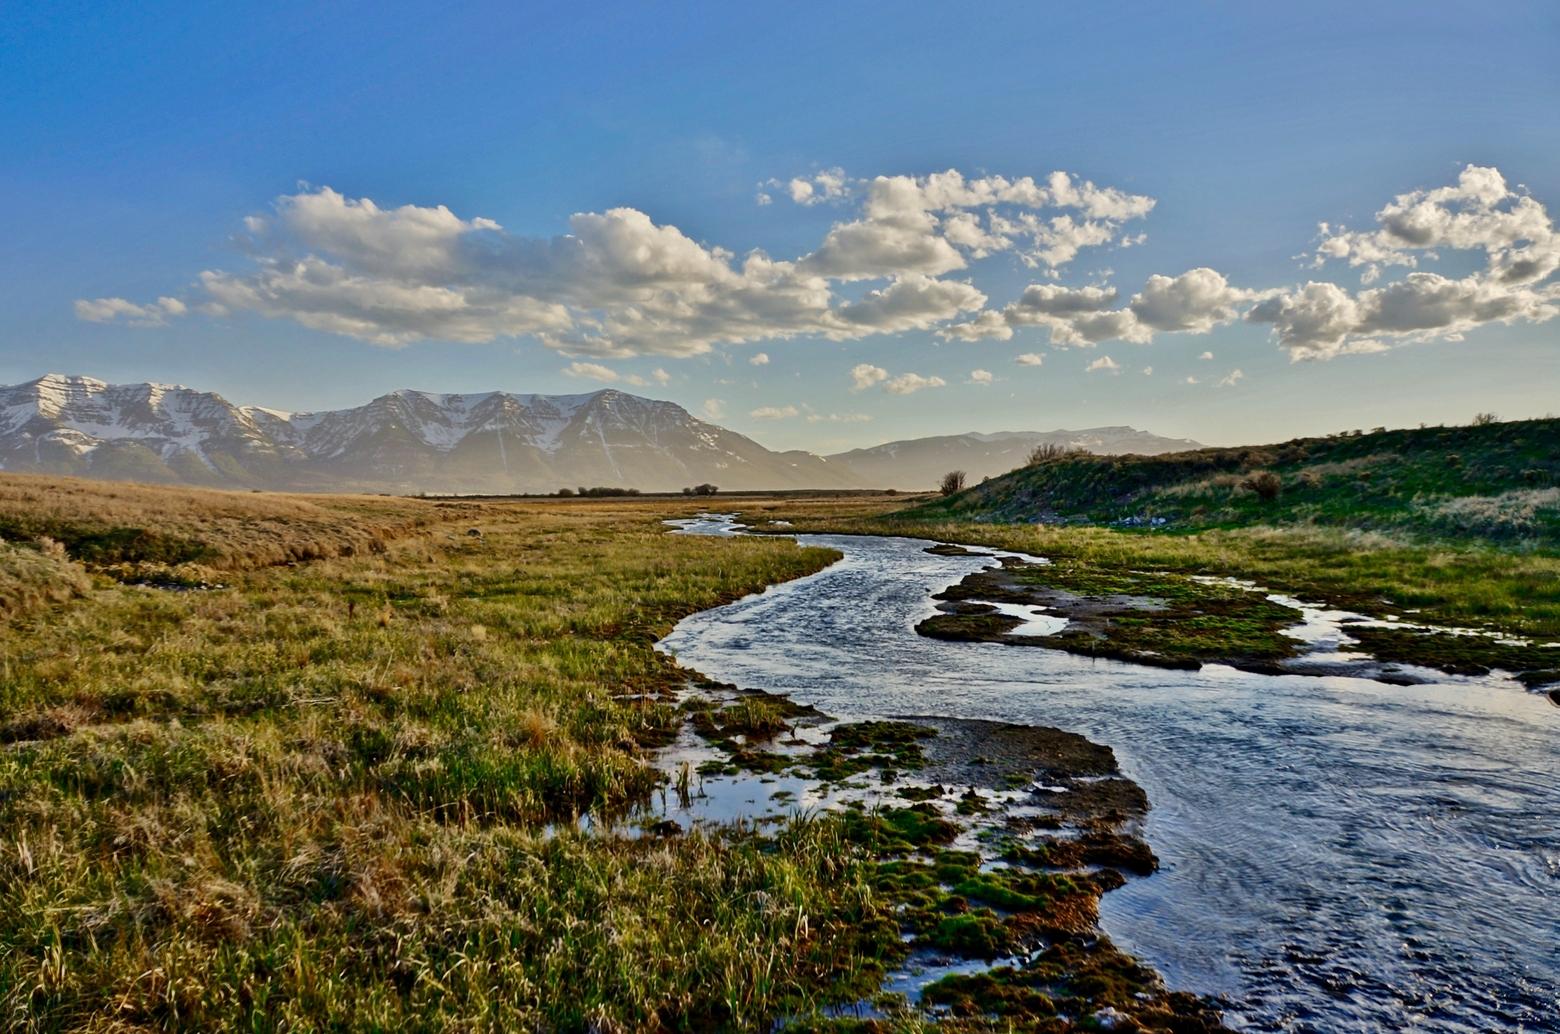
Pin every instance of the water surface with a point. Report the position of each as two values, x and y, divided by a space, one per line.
1337 854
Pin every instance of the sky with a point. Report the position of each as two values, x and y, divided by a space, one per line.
825 226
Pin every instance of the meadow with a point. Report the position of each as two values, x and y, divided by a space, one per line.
279 762
345 793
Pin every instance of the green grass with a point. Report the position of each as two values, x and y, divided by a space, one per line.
343 795
1495 482
1477 584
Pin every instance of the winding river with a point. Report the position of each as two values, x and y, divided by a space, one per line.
1337 854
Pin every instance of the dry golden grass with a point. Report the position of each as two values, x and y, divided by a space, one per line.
35 577
104 523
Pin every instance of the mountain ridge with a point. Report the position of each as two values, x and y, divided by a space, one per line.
491 442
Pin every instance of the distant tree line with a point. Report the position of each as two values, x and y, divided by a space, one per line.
599 490
704 489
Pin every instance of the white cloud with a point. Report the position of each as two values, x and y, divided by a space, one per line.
936 224
1206 356
1196 301
1477 213
838 418
617 284
660 376
913 302
1105 363
714 409
988 324
982 377
1322 320
1232 378
107 310
1148 371
774 412
593 372
910 383
760 359
864 375
1029 359
1190 379
830 185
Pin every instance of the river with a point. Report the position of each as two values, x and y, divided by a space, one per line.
1337 854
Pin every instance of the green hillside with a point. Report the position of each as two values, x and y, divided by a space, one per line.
1492 481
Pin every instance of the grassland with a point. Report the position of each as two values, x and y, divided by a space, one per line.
1494 482
342 791
343 794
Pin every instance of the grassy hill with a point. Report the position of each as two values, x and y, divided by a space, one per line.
1489 481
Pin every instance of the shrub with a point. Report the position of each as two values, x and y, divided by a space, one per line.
952 482
1047 451
705 489
1266 484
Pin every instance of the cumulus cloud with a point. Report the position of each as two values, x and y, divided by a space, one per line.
980 377
774 412
1322 320
107 310
830 185
1194 302
1148 371
1232 378
864 375
1206 356
592 372
617 284
910 383
1105 363
714 409
911 302
660 376
760 359
937 224
988 325
1480 213
1029 359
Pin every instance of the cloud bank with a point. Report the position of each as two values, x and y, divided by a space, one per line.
897 259
618 284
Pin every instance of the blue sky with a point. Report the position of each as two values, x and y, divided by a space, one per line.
140 137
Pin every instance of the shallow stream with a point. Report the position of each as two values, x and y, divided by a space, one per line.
1337 854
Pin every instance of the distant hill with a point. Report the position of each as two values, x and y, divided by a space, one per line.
1494 481
406 441
919 463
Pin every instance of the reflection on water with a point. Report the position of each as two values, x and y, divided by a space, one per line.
1338 854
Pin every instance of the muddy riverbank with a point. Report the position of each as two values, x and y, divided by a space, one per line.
993 841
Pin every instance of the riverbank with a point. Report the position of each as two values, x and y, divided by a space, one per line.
1336 853
1427 593
990 844
362 763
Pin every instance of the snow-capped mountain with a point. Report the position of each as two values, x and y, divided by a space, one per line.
406 441
920 462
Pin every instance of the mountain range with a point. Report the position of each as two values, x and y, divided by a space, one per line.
493 442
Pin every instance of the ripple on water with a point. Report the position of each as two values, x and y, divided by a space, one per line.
1338 854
